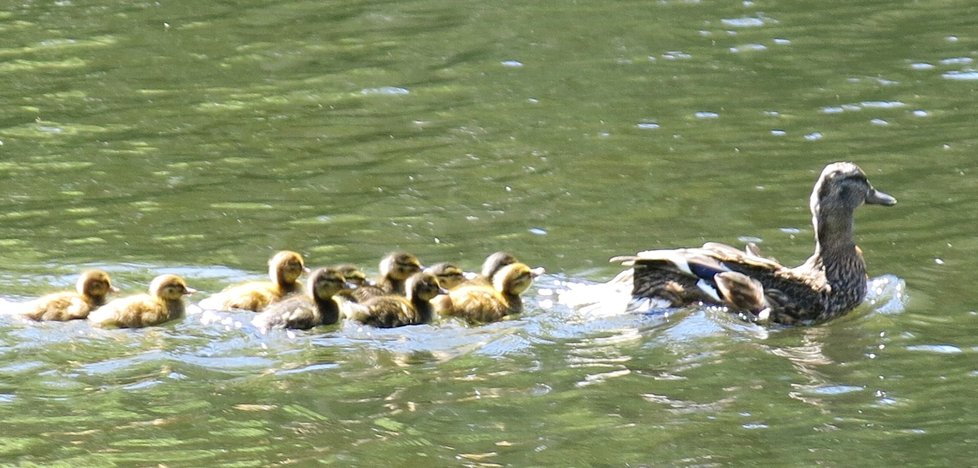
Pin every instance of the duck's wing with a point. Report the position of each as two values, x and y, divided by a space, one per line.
718 274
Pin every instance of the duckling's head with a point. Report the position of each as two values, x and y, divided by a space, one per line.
514 279
843 186
423 286
325 282
169 287
399 265
449 275
95 283
353 274
286 267
495 262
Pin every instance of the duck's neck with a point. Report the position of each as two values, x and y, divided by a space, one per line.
514 302
837 256
174 308
423 307
94 301
392 285
328 309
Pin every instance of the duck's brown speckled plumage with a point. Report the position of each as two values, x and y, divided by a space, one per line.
90 293
830 283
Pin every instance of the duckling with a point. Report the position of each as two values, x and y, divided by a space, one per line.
479 304
304 311
90 291
352 274
449 275
164 302
393 310
395 268
284 270
492 264
355 279
830 283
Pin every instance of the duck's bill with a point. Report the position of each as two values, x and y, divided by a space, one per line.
875 197
189 291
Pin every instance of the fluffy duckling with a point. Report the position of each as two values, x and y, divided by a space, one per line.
449 275
284 270
490 266
352 274
164 302
355 279
304 311
479 303
393 310
90 291
395 269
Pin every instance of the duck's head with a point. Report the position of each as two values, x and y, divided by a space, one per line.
844 186
325 282
449 275
513 279
495 262
423 286
169 287
95 283
286 267
353 274
399 266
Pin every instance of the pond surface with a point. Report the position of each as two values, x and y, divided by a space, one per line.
199 138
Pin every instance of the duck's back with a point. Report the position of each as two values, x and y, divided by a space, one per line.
793 295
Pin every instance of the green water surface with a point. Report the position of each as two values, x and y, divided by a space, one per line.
199 138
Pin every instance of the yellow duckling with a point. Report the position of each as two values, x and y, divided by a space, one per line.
304 311
449 275
394 310
479 304
395 269
90 291
164 302
284 270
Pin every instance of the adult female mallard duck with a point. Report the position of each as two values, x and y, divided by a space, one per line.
449 275
830 283
394 310
284 269
480 303
164 302
304 311
89 294
395 269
